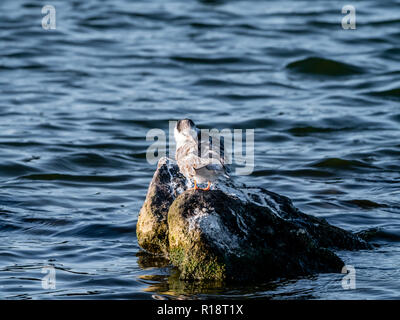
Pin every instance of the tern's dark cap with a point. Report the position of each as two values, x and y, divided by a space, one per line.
184 124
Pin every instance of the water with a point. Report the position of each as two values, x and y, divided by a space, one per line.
76 104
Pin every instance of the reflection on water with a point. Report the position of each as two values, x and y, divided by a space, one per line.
76 104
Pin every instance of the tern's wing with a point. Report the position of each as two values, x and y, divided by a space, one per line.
188 159
189 162
213 148
209 147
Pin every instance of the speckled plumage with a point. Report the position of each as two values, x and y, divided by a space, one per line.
200 160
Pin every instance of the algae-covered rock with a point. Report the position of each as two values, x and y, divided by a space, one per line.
235 232
152 227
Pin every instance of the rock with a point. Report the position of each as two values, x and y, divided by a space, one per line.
235 232
152 227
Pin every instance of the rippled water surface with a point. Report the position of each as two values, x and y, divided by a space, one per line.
76 104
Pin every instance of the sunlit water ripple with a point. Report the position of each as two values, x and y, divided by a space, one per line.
76 104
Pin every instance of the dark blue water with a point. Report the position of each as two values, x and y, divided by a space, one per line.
76 104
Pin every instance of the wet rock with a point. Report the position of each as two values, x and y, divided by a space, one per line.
152 227
235 232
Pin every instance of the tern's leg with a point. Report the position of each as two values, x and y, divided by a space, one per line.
195 186
208 186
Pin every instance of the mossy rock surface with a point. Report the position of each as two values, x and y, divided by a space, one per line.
152 226
235 232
